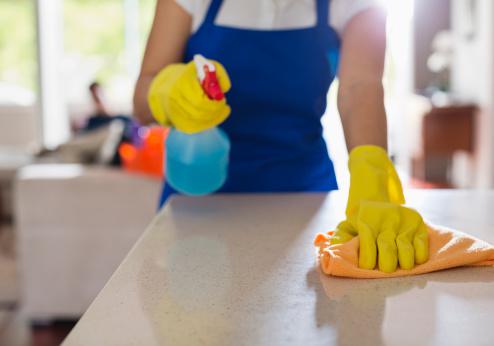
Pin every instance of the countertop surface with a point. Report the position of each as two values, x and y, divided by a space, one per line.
241 270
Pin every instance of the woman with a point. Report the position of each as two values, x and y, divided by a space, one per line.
281 57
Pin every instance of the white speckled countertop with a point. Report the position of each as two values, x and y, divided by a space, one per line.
241 270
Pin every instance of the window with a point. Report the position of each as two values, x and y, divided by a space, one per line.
17 52
103 41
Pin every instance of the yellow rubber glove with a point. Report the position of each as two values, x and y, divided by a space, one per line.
373 179
391 233
176 98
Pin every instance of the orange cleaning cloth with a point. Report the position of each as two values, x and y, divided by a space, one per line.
447 249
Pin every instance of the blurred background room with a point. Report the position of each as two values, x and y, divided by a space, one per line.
76 185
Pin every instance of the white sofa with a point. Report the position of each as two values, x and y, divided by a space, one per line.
19 127
74 226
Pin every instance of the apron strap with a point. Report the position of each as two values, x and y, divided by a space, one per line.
213 10
322 13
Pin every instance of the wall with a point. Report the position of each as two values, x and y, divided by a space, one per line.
473 76
430 17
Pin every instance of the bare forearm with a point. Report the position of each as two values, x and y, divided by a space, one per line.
363 115
166 43
141 107
360 94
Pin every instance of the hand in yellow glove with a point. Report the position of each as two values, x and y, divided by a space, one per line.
176 98
392 233
387 230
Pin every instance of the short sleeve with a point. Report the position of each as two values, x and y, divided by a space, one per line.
187 5
197 9
342 11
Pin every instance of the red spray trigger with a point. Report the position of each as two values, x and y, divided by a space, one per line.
206 73
211 85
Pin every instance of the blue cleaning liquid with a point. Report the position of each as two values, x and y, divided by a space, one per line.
197 164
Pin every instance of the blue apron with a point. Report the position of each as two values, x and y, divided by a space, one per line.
280 80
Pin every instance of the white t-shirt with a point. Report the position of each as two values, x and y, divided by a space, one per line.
275 14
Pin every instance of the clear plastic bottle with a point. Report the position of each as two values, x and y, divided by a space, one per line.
197 164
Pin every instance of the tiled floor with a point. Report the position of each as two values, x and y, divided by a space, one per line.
15 330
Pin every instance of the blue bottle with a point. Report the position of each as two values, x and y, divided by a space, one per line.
197 164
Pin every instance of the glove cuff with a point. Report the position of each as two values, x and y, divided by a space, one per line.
372 153
372 177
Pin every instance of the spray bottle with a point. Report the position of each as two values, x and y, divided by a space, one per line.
197 164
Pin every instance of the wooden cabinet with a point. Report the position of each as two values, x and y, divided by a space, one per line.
444 131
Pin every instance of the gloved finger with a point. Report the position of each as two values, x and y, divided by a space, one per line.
406 252
186 124
180 118
199 105
344 232
188 85
223 78
212 118
386 247
367 249
421 244
410 221
197 110
208 108
369 220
